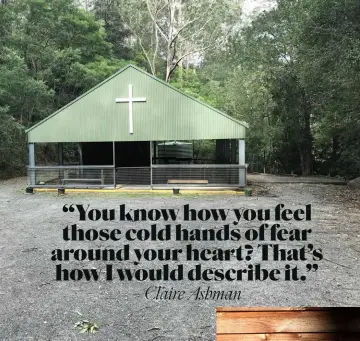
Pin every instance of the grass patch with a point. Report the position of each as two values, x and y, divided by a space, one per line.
86 326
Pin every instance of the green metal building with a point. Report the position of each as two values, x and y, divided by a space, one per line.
118 124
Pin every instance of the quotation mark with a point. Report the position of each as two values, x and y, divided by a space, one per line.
312 267
70 209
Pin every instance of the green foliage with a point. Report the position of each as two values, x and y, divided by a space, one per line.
98 70
22 95
22 98
293 74
13 149
51 51
194 82
330 58
294 77
116 33
86 327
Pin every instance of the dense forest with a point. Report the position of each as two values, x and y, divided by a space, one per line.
292 72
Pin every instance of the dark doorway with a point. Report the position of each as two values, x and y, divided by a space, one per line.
132 154
132 161
127 154
97 153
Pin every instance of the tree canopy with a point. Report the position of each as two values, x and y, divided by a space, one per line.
292 72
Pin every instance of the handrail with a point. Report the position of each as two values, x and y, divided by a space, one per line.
153 166
200 166
71 167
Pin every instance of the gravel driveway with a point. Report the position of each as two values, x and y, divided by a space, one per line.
34 306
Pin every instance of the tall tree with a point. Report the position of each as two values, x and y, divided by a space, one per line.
51 51
306 54
269 85
172 32
116 33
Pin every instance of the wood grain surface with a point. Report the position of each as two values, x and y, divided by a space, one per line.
288 324
288 337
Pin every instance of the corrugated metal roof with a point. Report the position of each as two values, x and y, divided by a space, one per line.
167 114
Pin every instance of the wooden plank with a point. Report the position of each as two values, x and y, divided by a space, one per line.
64 181
83 180
289 337
188 181
224 309
336 320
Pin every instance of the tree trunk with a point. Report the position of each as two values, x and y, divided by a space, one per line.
335 149
170 48
168 69
306 159
306 148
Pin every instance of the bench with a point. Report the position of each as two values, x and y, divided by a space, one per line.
193 182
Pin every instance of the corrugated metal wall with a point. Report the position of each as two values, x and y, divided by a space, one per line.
167 114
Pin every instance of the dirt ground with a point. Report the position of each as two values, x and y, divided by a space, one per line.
34 306
272 178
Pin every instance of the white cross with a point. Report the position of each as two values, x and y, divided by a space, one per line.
130 100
